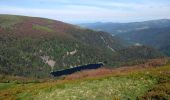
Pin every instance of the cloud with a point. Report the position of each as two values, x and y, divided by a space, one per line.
89 10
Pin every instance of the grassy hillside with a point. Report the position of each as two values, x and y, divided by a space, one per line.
32 47
146 83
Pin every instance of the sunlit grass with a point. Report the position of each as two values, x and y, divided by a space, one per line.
124 86
42 28
103 89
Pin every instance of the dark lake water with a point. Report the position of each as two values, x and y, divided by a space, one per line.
76 69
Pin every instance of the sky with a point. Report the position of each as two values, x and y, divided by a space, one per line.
88 11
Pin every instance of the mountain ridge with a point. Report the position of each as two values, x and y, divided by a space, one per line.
31 46
114 28
154 33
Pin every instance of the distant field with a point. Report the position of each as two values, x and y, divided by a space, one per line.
143 84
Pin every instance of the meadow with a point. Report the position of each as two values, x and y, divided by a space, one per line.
148 83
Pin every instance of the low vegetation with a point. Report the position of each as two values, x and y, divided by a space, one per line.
147 83
43 28
8 21
161 91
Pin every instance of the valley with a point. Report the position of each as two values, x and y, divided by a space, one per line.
153 33
33 47
44 59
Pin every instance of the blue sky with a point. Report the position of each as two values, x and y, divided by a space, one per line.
81 11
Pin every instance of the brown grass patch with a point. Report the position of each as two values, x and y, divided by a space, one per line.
116 71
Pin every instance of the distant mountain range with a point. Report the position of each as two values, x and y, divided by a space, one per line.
116 28
33 47
154 33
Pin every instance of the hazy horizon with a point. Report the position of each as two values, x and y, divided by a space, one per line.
86 11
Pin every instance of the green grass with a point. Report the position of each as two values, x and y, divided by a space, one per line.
151 83
7 21
6 85
43 28
103 89
94 89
